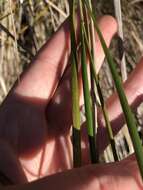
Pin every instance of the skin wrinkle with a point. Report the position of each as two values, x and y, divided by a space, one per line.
88 177
111 179
63 164
11 167
46 164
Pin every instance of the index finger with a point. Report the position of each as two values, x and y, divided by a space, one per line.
42 77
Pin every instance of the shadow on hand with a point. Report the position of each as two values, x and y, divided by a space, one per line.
26 128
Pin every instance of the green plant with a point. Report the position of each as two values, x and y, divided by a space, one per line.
85 44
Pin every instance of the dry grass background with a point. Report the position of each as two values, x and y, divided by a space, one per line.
25 25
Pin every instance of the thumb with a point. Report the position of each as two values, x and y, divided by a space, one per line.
114 176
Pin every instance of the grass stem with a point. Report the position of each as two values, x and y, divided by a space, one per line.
75 90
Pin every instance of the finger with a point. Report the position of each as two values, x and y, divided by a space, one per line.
134 91
61 101
114 176
108 27
41 78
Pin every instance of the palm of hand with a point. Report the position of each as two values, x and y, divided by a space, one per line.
33 132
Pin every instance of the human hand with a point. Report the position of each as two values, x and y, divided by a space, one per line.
36 118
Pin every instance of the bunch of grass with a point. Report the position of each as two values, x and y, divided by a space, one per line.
86 46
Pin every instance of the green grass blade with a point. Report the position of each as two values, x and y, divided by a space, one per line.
130 119
76 118
75 91
87 97
87 101
102 103
89 31
91 43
